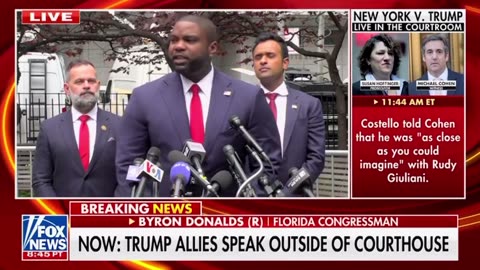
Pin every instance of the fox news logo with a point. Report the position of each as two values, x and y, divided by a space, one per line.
44 233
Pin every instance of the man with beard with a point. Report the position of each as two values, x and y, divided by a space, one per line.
194 102
75 153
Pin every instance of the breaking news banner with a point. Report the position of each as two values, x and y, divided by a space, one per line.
408 104
117 231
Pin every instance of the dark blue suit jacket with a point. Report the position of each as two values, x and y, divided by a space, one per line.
304 138
57 168
156 116
452 76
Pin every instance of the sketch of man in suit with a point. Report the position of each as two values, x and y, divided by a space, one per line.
194 102
299 116
75 152
435 55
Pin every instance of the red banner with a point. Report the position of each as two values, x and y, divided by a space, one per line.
51 16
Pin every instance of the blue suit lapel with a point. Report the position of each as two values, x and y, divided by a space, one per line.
292 113
175 102
423 78
451 77
66 129
101 137
221 97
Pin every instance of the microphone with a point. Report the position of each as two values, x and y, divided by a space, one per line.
299 182
222 180
148 170
238 172
234 163
156 183
195 152
180 177
176 156
271 189
132 174
236 123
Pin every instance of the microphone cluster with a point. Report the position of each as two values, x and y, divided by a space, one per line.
145 171
187 171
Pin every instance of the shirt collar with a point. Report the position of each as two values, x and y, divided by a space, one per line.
443 76
281 90
205 84
76 114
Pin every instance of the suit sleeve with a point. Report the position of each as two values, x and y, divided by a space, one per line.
356 88
263 128
405 89
412 88
42 172
460 84
315 160
132 143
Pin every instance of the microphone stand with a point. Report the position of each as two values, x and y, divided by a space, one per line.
133 191
252 177
141 187
155 189
155 183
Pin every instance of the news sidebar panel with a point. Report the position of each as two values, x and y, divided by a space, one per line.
408 128
413 196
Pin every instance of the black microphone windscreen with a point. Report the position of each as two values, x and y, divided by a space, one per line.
175 156
228 149
235 121
223 178
138 161
292 171
153 154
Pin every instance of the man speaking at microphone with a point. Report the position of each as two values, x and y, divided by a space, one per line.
298 115
194 102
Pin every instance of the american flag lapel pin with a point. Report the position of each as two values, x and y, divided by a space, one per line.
294 106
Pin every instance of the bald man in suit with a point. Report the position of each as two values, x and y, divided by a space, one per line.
194 102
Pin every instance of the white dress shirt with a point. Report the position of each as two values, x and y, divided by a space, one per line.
92 128
281 103
442 77
205 93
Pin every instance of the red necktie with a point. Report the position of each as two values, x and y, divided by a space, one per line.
84 141
196 116
273 106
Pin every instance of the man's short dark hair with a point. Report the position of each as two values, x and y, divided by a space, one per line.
204 23
367 49
271 36
76 63
435 37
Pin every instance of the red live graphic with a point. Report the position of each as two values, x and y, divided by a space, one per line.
50 16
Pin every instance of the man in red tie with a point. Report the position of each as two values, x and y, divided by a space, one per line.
194 102
298 115
75 153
